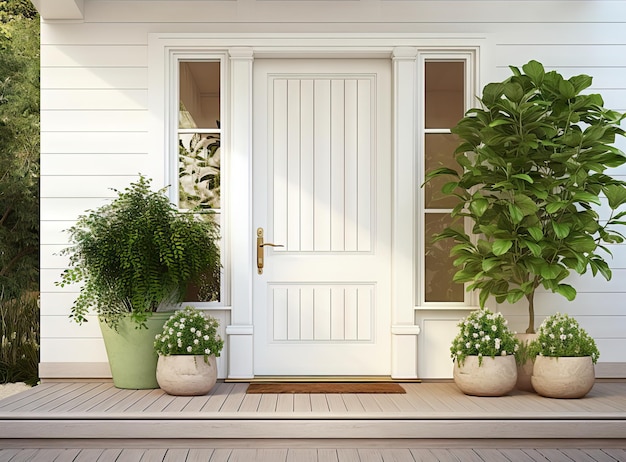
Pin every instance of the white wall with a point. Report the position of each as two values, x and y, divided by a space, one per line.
95 122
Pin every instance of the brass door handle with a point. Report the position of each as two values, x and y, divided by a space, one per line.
260 254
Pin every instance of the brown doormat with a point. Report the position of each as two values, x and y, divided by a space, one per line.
325 388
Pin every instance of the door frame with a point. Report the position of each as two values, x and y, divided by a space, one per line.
403 329
241 50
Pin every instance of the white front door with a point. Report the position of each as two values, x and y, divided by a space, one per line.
322 188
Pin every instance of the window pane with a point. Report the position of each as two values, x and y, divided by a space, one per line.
199 105
445 93
439 286
439 152
199 171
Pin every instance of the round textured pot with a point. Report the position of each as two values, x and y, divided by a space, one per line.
525 370
186 375
131 351
494 377
563 377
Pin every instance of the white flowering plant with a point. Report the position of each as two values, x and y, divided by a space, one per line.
561 335
484 334
189 332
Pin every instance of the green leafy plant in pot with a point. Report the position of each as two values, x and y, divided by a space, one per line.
135 256
531 175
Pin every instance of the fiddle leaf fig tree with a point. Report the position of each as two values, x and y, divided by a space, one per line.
531 181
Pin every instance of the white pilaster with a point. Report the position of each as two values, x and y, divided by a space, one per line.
242 236
404 331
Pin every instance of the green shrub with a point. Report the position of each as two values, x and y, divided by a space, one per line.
19 337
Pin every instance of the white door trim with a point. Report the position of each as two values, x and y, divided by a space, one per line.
243 48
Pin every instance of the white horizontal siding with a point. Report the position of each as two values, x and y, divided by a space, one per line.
74 78
87 120
93 186
94 99
93 56
83 164
70 350
96 142
95 119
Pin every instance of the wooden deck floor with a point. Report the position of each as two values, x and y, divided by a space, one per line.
432 421
312 455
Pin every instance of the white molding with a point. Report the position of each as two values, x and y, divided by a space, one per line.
403 349
60 9
242 49
240 226
239 330
405 330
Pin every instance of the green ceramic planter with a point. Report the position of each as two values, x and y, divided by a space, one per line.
131 352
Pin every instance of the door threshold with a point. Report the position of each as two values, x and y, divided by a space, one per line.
322 379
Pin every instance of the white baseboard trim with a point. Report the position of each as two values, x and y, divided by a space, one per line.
100 370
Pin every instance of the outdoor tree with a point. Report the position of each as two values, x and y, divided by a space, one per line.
19 185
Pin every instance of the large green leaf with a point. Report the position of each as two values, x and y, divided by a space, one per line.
616 194
501 246
479 206
561 230
535 71
567 291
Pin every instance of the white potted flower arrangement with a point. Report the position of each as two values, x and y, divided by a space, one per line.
187 349
484 355
565 355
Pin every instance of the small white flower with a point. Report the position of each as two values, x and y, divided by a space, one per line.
196 341
206 337
189 349
563 336
198 333
494 328
468 345
179 334
475 335
207 351
193 329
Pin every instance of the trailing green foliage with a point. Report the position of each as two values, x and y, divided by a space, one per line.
137 253
483 334
560 335
19 339
533 160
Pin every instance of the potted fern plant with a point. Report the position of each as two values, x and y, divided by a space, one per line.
531 175
136 257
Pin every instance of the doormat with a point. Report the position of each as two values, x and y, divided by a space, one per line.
255 388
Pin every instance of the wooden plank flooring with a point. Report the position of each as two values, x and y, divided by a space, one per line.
428 411
311 455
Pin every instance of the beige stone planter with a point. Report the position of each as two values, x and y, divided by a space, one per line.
563 377
494 377
186 375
